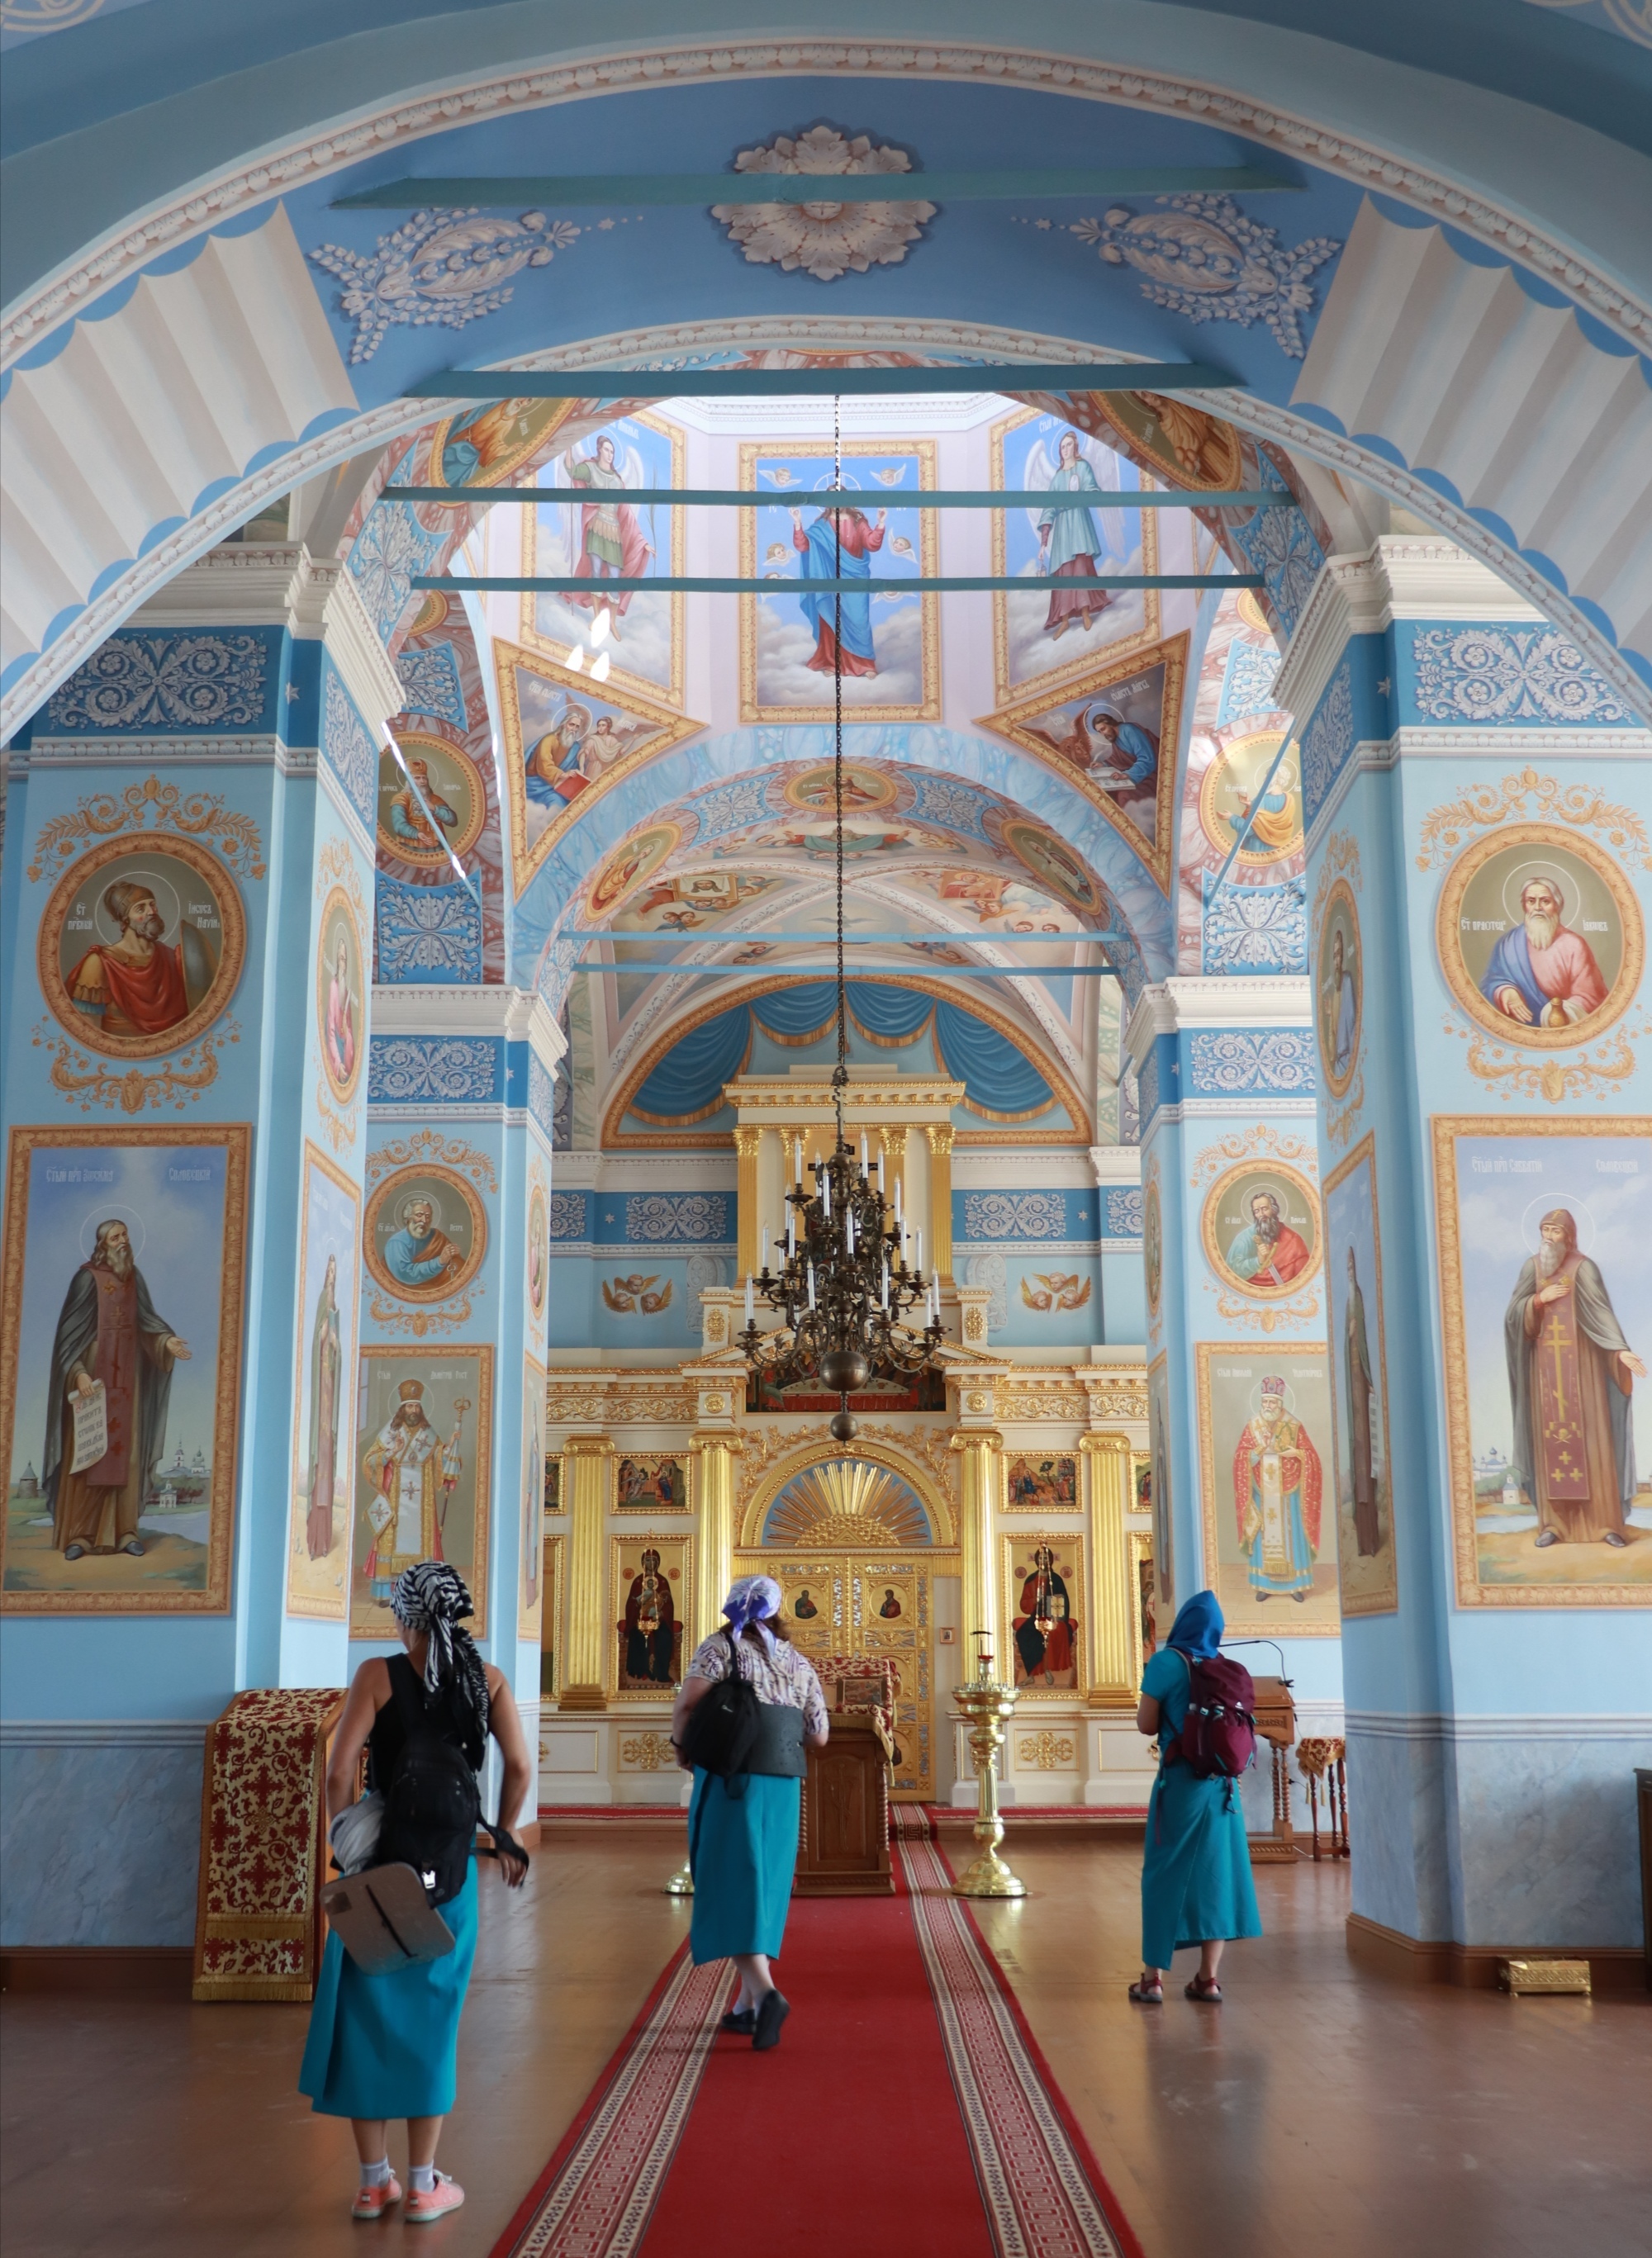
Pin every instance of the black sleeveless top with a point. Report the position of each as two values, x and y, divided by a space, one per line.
388 1737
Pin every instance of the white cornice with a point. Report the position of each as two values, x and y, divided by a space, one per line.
518 1014
980 1170
1116 1164
1401 577
352 645
635 1172
1284 1000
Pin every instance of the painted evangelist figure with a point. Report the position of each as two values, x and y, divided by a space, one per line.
1542 973
110 1335
1570 1377
138 984
1268 1252
413 1474
839 544
1069 543
1277 1487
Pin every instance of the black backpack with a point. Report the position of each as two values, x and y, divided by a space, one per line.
720 1732
431 1803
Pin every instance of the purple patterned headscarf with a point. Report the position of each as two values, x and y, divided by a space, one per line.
753 1598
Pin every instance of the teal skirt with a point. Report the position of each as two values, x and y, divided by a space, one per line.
387 2046
742 1851
1196 1881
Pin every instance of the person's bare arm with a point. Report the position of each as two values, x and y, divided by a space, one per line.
504 1722
1147 1715
691 1691
369 1691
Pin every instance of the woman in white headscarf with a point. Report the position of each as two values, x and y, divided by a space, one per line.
743 1830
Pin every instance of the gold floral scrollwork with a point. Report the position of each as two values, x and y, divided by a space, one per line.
195 814
340 1127
1481 806
1342 1121
1516 1074
1341 861
427 1146
397 1320
1252 1319
1044 1751
647 1752
1244 1146
181 1082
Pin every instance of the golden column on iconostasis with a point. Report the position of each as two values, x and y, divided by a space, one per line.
587 1457
715 1499
747 1218
1111 1597
980 1471
939 1135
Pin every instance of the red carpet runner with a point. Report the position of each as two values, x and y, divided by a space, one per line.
907 2088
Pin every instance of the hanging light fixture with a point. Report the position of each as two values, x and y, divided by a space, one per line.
850 1277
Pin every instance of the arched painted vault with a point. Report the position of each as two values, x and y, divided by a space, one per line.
1436 311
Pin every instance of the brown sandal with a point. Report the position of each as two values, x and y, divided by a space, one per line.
1205 1988
1148 1995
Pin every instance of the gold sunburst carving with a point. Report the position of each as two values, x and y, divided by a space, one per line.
848 1502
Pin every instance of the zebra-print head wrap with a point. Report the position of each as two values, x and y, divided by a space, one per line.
432 1597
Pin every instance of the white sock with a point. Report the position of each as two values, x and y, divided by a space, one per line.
423 2177
375 2174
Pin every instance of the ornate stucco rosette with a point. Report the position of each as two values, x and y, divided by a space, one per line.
824 238
1509 857
76 920
1260 1168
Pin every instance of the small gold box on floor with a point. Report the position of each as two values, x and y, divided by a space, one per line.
1518 1976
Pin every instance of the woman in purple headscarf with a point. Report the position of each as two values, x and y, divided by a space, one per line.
743 1830
1196 1885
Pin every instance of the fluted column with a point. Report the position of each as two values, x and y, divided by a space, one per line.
1111 1598
980 1471
940 1135
747 1142
587 1457
715 1569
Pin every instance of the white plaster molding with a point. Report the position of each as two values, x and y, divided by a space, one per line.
208 202
518 1014
150 752
1253 1108
652 1172
242 585
1207 1000
352 645
980 1170
1376 1724
104 1732
1399 577
1116 1164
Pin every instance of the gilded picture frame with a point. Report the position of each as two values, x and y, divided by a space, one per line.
1041 1481
650 1481
1339 914
424 1179
551 1612
140 857
339 932
1374 1592
1018 1558
460 1383
1143 1602
109 1585
676 1551
1567 1574
311 1578
1252 1180
1230 1379
530 1489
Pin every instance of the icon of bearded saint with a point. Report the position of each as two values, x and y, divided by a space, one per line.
140 984
1542 974
1570 1375
1268 1252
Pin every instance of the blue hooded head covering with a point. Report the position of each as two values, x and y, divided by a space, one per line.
1197 1629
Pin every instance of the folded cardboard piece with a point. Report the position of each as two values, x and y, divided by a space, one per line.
385 1919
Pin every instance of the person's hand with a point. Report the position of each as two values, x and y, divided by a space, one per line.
178 1349
1512 1004
513 1869
1556 1290
84 1385
1631 1362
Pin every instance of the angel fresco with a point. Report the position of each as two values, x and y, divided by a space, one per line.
1056 1290
626 1296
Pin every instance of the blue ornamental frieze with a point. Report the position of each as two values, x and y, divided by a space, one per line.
1499 674
431 684
1245 1063
143 680
435 1070
430 934
1252 928
348 750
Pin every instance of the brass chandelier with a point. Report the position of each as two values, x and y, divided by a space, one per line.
852 1268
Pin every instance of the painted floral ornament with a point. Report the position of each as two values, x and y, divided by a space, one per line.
1202 257
443 267
825 240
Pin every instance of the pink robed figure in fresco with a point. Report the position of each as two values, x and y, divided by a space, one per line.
1570 1374
1277 1490
1542 974
341 1018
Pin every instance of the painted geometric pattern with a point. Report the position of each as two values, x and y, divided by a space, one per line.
1015 1215
857 1498
348 749
542 1099
655 1218
1508 674
434 1069
1254 929
570 1215
429 933
1246 684
1328 738
430 685
1236 1063
1124 1212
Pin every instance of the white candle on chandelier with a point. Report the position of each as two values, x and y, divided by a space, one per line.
849 1229
898 1223
766 1248
917 1259
886 1283
791 1232
826 1194
751 1299
863 1152
811 1285
799 1160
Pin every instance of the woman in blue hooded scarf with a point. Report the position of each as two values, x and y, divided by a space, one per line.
1196 1885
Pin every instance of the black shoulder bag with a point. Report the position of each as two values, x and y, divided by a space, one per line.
722 1732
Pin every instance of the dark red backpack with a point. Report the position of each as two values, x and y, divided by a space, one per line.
1218 1738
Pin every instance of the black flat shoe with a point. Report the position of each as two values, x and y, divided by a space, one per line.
772 2013
742 2020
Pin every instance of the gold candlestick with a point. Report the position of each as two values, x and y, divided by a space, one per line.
987 1707
681 1883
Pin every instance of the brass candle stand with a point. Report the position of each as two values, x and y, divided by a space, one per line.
986 1708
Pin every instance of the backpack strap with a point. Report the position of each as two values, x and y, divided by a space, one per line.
408 1696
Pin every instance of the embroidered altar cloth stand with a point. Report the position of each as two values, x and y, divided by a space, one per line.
1276 1724
842 1848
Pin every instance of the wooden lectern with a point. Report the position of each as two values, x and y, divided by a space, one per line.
842 1847
1276 1724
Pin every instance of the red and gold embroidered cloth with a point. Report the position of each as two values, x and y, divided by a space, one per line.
258 1930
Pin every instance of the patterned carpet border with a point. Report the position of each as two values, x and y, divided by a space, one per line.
594 2197
1044 2195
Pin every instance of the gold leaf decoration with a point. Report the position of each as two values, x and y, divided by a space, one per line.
1480 807
197 814
181 1082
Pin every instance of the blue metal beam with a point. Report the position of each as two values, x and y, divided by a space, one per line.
701 583
823 383
815 497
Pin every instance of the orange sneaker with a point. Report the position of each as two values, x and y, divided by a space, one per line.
426 2204
374 2202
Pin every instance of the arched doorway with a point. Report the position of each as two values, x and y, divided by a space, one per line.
859 1541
